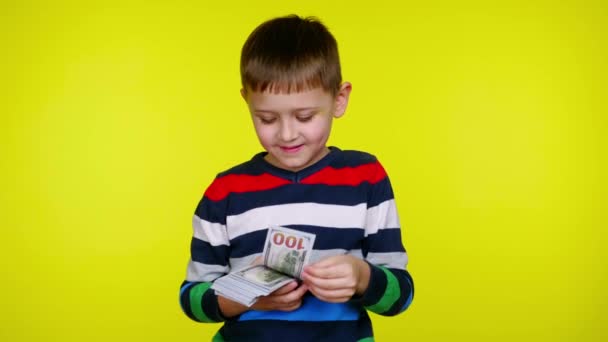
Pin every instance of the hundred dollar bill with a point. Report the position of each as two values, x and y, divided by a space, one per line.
287 250
261 277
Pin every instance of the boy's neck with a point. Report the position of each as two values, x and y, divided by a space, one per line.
268 158
301 173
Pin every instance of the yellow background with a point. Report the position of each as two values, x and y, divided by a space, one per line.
489 118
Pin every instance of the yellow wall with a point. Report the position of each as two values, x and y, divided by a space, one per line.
489 119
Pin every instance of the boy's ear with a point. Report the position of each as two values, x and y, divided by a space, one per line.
244 94
341 100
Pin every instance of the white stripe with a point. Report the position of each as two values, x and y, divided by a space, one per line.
318 255
213 233
384 215
314 214
198 271
239 263
396 260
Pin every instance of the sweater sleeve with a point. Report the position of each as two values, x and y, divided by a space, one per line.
209 252
391 288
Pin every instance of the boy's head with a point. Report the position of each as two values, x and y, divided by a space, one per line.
292 83
290 54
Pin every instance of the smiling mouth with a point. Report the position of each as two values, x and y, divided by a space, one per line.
291 149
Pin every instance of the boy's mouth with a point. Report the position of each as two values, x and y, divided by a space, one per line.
291 149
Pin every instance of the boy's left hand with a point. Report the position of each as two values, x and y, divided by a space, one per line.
336 279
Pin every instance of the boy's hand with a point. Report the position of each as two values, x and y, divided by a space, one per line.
336 279
287 298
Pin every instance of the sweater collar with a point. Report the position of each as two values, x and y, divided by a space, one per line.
295 176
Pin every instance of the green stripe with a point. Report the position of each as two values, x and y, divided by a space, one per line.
196 298
367 339
217 337
391 293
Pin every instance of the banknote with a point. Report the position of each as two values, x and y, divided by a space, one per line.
286 252
246 285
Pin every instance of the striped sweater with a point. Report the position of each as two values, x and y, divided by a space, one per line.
345 199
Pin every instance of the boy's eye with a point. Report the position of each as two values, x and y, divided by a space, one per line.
304 118
267 121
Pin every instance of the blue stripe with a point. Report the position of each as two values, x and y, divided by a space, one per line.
248 244
312 310
184 288
380 192
332 238
326 238
212 211
299 193
409 299
351 158
376 287
203 252
384 241
185 302
210 306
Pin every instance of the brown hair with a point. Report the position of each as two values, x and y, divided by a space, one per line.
289 54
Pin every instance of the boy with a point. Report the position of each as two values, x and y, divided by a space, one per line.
291 82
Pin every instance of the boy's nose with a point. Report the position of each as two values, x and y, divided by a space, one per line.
287 132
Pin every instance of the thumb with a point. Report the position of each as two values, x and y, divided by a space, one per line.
286 289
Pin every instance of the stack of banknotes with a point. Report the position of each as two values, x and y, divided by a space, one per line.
286 252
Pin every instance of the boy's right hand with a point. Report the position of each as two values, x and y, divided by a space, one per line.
287 298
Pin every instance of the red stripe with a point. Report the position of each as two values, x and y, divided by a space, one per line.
353 176
223 186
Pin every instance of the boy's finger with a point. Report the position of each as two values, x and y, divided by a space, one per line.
285 289
327 262
296 294
301 291
332 293
291 297
332 271
329 283
291 306
337 296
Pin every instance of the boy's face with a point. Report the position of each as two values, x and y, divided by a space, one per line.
294 128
